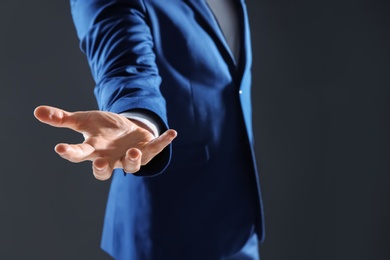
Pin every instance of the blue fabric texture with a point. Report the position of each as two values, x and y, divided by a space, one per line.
200 198
250 250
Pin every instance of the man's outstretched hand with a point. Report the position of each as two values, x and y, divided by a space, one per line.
111 140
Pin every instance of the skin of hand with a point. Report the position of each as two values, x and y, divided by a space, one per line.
110 140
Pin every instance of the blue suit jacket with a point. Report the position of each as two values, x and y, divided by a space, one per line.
200 198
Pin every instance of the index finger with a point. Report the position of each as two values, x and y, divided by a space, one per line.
54 116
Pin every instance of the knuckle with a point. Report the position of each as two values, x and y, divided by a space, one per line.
74 160
101 176
132 169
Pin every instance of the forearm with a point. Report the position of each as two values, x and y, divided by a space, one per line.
117 41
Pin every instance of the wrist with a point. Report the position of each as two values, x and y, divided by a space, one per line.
142 125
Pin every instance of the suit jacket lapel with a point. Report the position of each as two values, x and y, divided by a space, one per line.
211 26
246 47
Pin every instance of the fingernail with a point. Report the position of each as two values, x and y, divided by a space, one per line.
56 115
134 158
100 168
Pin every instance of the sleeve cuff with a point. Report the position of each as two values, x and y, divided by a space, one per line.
147 120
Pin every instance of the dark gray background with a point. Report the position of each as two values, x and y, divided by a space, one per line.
321 121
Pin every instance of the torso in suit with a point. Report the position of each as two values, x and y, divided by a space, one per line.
200 198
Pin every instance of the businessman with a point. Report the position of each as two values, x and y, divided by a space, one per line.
173 129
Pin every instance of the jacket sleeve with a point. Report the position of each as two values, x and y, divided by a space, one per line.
117 41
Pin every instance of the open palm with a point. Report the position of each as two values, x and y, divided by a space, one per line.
111 140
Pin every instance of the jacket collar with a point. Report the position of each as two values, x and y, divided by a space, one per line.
212 27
